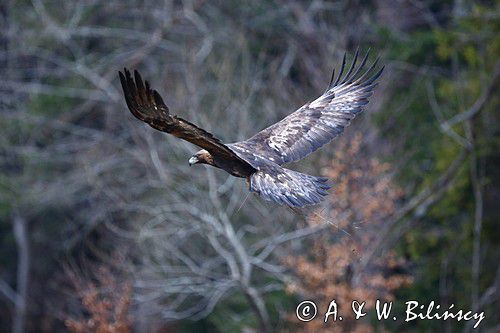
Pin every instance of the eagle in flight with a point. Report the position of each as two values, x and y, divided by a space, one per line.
260 159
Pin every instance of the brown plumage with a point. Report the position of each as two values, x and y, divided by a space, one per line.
259 158
148 106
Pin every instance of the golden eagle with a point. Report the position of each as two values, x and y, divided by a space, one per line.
260 158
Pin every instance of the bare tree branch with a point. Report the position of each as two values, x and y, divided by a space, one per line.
23 269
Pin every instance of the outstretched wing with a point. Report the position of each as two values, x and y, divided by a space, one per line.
147 105
284 186
319 121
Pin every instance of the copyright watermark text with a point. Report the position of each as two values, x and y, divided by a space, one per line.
308 310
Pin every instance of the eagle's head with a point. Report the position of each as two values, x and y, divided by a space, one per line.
202 157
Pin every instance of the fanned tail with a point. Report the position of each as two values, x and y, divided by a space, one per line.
285 186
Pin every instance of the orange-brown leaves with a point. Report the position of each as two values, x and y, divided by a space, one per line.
106 302
364 197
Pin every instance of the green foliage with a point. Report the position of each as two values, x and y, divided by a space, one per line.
446 62
460 55
232 315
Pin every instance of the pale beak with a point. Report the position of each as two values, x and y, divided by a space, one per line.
193 160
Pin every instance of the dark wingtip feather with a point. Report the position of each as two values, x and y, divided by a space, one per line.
129 91
373 78
129 81
353 64
377 75
138 78
330 86
368 51
127 73
157 97
341 69
137 75
125 88
367 72
360 67
143 102
123 82
122 79
348 78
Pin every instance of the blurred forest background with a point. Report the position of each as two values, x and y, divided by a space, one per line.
104 227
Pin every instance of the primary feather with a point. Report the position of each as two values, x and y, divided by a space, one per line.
260 158
317 122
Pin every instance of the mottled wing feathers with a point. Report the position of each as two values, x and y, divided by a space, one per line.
288 187
320 121
291 139
147 105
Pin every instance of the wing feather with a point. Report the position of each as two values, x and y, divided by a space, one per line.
320 121
147 105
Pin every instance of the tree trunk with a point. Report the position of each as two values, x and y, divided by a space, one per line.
23 264
259 308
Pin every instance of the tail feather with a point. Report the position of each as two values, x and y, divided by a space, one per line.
288 187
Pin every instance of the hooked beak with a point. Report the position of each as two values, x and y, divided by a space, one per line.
193 160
